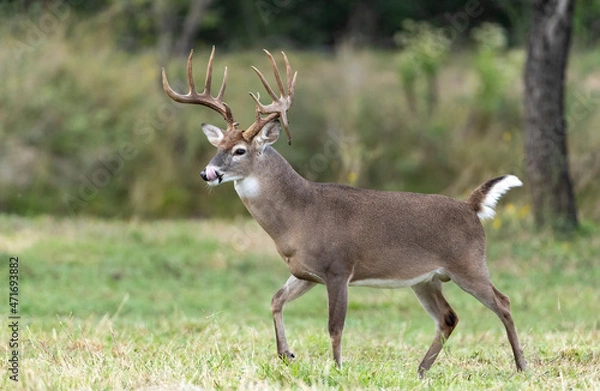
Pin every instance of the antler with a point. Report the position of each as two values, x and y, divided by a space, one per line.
279 106
205 98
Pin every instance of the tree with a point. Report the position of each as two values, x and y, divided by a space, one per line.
545 126
176 35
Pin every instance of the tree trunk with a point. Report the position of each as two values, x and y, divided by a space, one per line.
545 126
166 24
191 25
177 38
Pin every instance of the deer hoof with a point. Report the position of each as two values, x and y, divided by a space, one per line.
287 356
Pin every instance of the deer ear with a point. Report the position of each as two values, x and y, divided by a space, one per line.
213 134
268 134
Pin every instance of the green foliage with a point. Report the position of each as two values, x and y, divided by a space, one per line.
171 304
585 22
426 47
237 24
90 130
424 50
491 67
86 128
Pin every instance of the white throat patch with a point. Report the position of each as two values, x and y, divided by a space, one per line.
247 187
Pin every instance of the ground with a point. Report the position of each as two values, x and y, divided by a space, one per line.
184 304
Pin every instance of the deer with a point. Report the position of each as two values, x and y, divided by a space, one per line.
343 236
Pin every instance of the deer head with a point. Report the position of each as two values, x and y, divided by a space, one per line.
237 149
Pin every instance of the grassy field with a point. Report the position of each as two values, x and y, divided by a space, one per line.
174 305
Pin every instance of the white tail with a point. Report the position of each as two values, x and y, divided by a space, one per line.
497 188
339 235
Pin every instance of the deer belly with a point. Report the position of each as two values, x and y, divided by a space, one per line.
391 283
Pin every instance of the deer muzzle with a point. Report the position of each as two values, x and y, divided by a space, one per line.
210 175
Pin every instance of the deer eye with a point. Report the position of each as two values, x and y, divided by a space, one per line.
239 151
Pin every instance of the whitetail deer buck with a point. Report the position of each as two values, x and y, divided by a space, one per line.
339 235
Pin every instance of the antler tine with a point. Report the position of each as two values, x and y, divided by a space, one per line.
291 85
205 98
275 71
265 83
223 85
192 95
190 77
291 80
280 105
208 80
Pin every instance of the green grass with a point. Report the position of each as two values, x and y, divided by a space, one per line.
111 305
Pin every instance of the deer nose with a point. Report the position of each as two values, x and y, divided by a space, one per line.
209 174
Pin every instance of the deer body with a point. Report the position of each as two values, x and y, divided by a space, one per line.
341 236
369 235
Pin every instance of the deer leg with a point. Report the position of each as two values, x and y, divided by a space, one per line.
431 298
337 294
292 289
484 291
502 309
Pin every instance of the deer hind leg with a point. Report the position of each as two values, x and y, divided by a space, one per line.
431 298
291 290
484 291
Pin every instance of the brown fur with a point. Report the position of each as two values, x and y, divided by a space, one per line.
231 138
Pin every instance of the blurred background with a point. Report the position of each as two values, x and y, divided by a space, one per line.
415 96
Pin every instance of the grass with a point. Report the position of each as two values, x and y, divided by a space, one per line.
172 305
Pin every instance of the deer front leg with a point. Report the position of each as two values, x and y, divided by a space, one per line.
337 293
292 289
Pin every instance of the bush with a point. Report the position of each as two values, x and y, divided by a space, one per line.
86 128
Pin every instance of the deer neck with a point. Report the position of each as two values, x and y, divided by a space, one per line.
275 194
